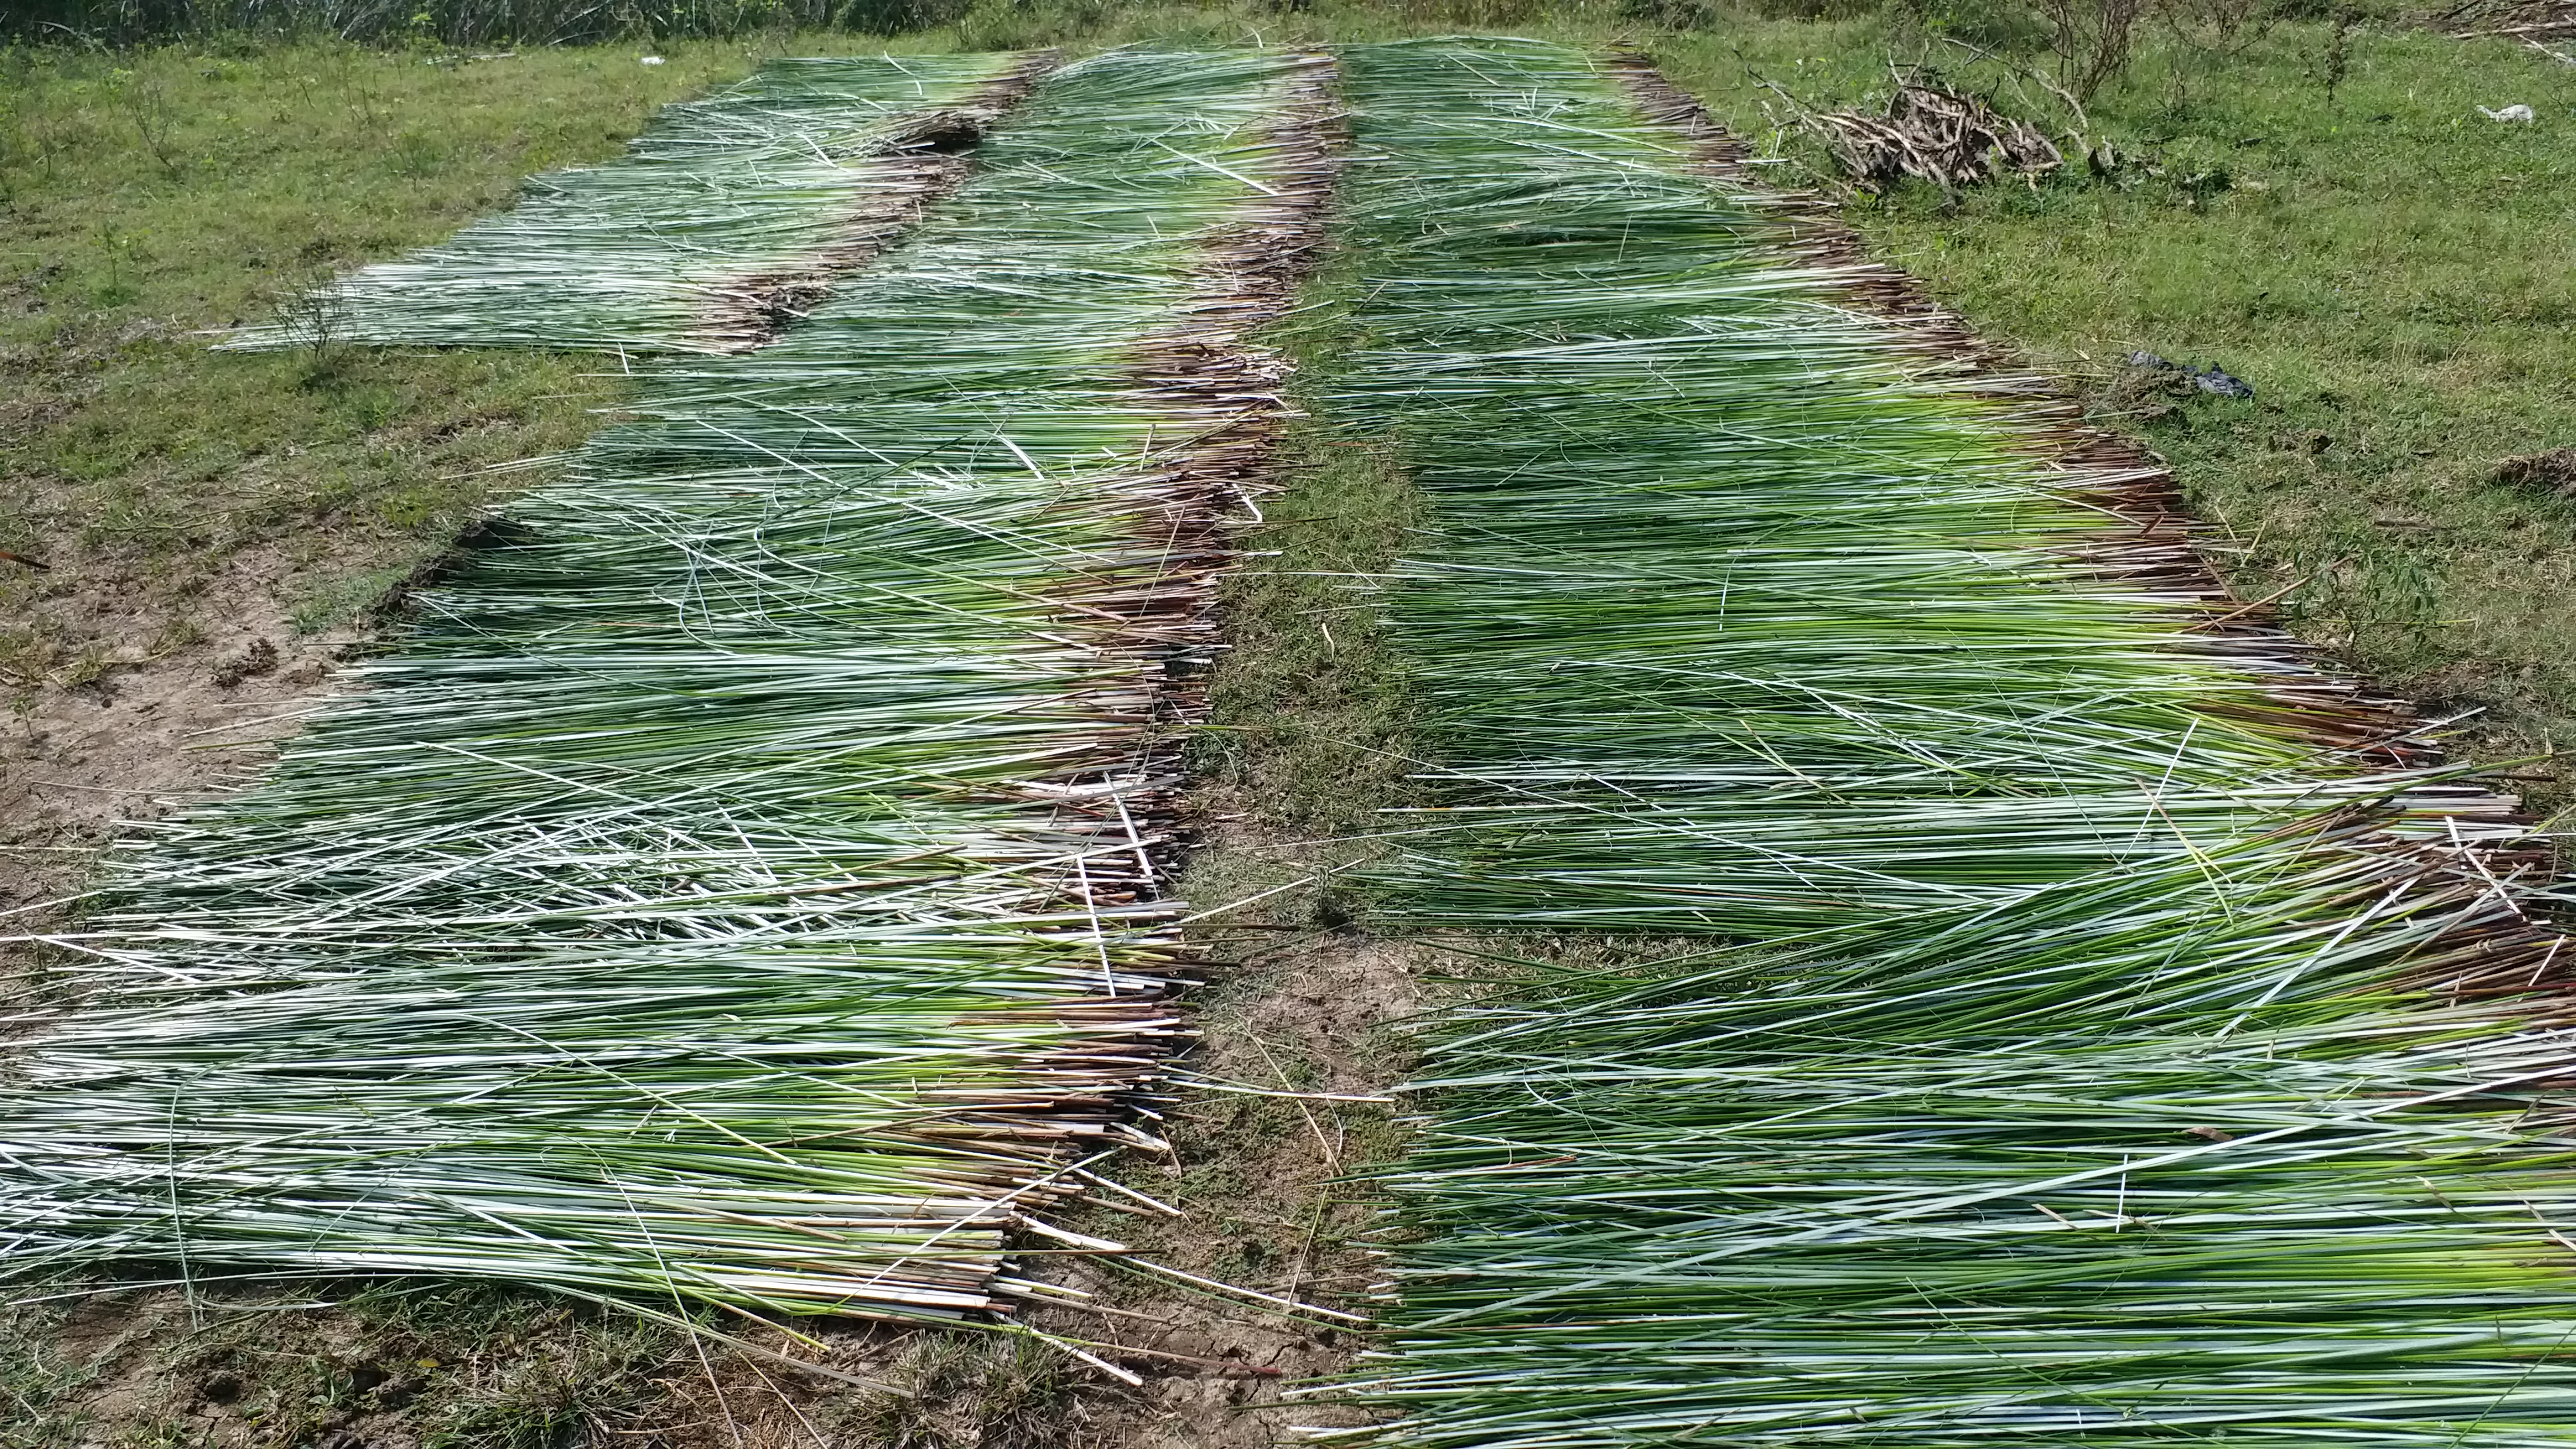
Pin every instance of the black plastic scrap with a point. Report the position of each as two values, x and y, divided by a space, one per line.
2207 379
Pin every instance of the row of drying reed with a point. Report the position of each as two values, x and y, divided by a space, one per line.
723 221
741 886
2102 1029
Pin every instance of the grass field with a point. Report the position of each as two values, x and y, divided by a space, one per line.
2385 265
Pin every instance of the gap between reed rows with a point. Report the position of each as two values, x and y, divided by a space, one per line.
2111 1029
741 886
725 221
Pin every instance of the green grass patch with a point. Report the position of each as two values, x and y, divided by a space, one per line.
152 195
346 599
1312 714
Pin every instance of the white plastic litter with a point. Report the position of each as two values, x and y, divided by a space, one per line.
657 60
2515 112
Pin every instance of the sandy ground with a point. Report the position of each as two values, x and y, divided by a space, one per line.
148 702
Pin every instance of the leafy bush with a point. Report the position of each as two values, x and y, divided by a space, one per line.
461 22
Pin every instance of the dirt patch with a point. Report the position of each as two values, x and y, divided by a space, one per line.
127 700
397 1366
1298 1037
2551 472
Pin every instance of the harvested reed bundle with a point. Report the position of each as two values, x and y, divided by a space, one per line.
2122 1045
725 218
740 886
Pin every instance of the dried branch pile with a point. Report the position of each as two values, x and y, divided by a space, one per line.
1934 134
2526 21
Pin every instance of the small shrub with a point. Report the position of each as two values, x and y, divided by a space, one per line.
2091 40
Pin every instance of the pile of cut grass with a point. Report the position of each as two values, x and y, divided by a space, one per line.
738 888
2118 1041
686 243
